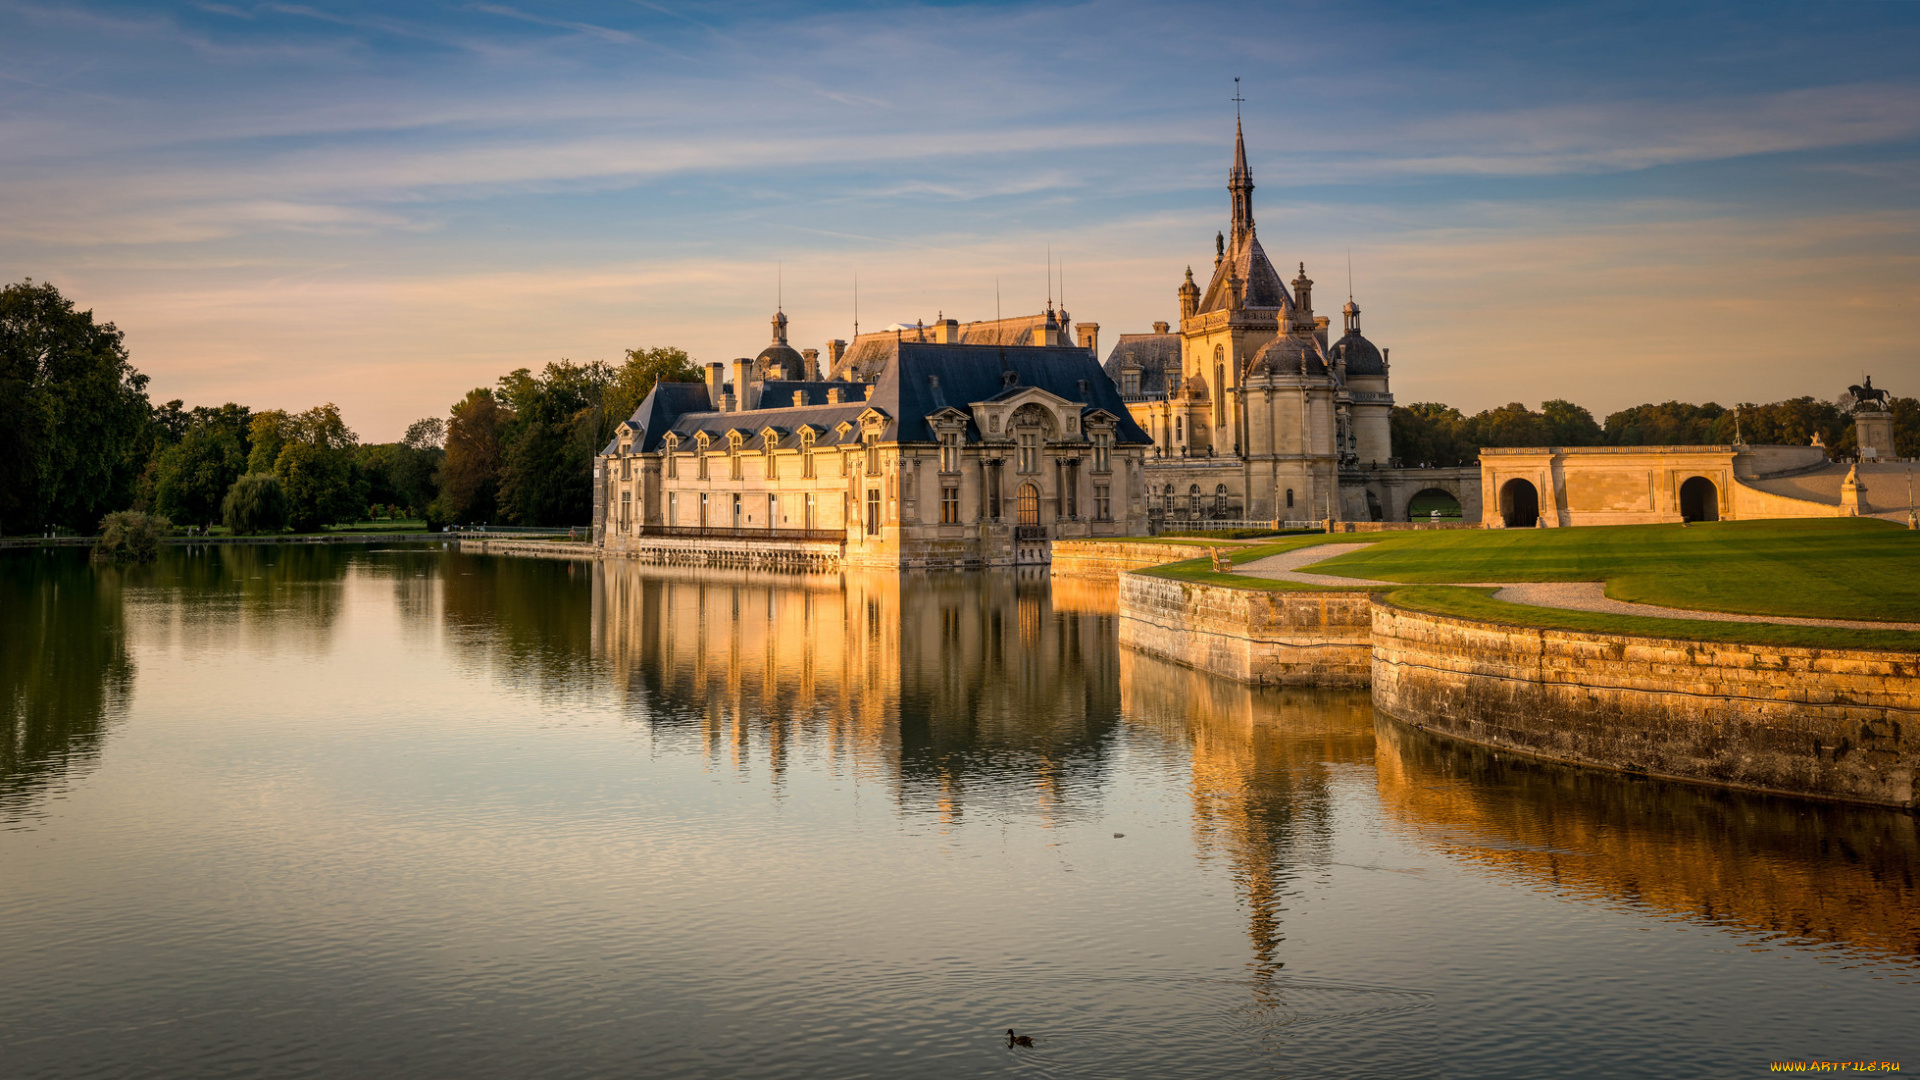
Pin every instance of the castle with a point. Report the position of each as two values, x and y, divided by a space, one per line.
977 444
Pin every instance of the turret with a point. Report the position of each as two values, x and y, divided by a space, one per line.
1189 296
1303 299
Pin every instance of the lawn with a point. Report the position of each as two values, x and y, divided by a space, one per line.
1840 568
1201 570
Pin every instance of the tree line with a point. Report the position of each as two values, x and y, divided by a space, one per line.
1431 434
80 438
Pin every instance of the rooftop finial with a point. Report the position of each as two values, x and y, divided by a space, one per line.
1237 99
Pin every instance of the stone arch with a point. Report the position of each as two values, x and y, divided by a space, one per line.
1699 500
1519 504
1423 504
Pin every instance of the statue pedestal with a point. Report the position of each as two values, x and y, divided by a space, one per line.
1873 434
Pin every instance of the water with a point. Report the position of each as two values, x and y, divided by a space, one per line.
338 812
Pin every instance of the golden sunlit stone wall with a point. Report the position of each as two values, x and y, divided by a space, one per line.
1827 722
1109 559
1818 873
1283 638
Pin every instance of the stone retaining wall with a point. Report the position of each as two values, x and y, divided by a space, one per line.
1830 723
1109 559
1271 637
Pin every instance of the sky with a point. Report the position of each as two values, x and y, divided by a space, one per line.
385 204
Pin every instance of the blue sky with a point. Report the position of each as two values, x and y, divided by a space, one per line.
383 204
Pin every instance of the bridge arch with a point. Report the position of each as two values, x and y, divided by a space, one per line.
1519 504
1699 500
1423 503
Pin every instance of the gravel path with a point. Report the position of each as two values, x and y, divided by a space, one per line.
1571 595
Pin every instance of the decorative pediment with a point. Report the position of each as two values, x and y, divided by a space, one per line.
843 428
948 415
772 434
873 415
998 415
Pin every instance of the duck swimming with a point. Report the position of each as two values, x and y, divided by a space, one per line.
1018 1040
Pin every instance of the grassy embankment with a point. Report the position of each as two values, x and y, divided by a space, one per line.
1832 569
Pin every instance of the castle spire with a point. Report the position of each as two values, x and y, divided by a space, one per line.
1240 186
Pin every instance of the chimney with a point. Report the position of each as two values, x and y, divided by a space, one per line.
833 395
1088 335
1159 328
799 398
717 386
947 332
835 350
870 387
810 370
742 380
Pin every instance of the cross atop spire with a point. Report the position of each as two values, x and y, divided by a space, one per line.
1237 99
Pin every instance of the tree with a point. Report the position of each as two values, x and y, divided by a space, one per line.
546 475
267 435
1568 424
1674 423
192 476
73 413
630 383
130 536
255 504
469 478
1429 433
316 465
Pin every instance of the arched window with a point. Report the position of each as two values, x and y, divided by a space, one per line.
1289 498
1193 500
1029 505
1220 501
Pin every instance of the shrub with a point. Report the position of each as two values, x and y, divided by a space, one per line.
130 536
256 503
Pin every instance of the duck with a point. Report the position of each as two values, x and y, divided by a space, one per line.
1018 1040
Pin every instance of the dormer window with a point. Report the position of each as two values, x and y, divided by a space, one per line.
669 445
701 445
806 454
950 451
1130 381
733 455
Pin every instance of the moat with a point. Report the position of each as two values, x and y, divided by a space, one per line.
362 811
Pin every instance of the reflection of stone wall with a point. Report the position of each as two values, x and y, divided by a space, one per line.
1810 872
1286 638
1827 722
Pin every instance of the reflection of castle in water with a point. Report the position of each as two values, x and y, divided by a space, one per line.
1800 871
963 689
1264 765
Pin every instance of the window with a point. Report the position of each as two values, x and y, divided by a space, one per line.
806 458
626 468
1179 428
1102 505
1072 493
773 463
993 491
1029 510
950 451
733 460
873 453
773 510
703 507
1102 449
1193 500
1289 498
673 508
1129 381
1029 452
1220 501
700 452
950 504
809 519
873 511
1220 392
626 510
673 462
844 455
737 519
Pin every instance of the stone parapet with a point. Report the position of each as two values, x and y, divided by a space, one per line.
667 551
1110 558
1264 636
1828 723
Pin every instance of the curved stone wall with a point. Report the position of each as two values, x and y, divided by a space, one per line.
1268 636
1831 723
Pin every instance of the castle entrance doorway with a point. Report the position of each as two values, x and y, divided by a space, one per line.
1699 500
1519 504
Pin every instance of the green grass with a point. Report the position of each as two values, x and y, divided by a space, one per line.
1840 568
1237 534
1479 604
1201 571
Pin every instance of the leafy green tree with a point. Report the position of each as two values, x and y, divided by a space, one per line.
130 536
469 477
630 383
546 475
1675 423
255 504
316 465
192 476
1429 433
1568 424
73 413
267 435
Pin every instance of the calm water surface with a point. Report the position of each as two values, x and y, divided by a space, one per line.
338 812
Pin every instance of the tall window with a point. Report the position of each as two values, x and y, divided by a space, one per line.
773 464
733 459
1102 505
1029 452
626 511
737 519
1073 489
949 451
1029 509
1102 449
673 508
1193 500
626 467
1179 428
673 461
1219 393
1289 498
700 455
773 510
950 504
703 507
993 491
809 519
1220 501
873 511
873 453
806 456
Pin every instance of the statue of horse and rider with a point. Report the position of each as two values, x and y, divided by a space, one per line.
1865 396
